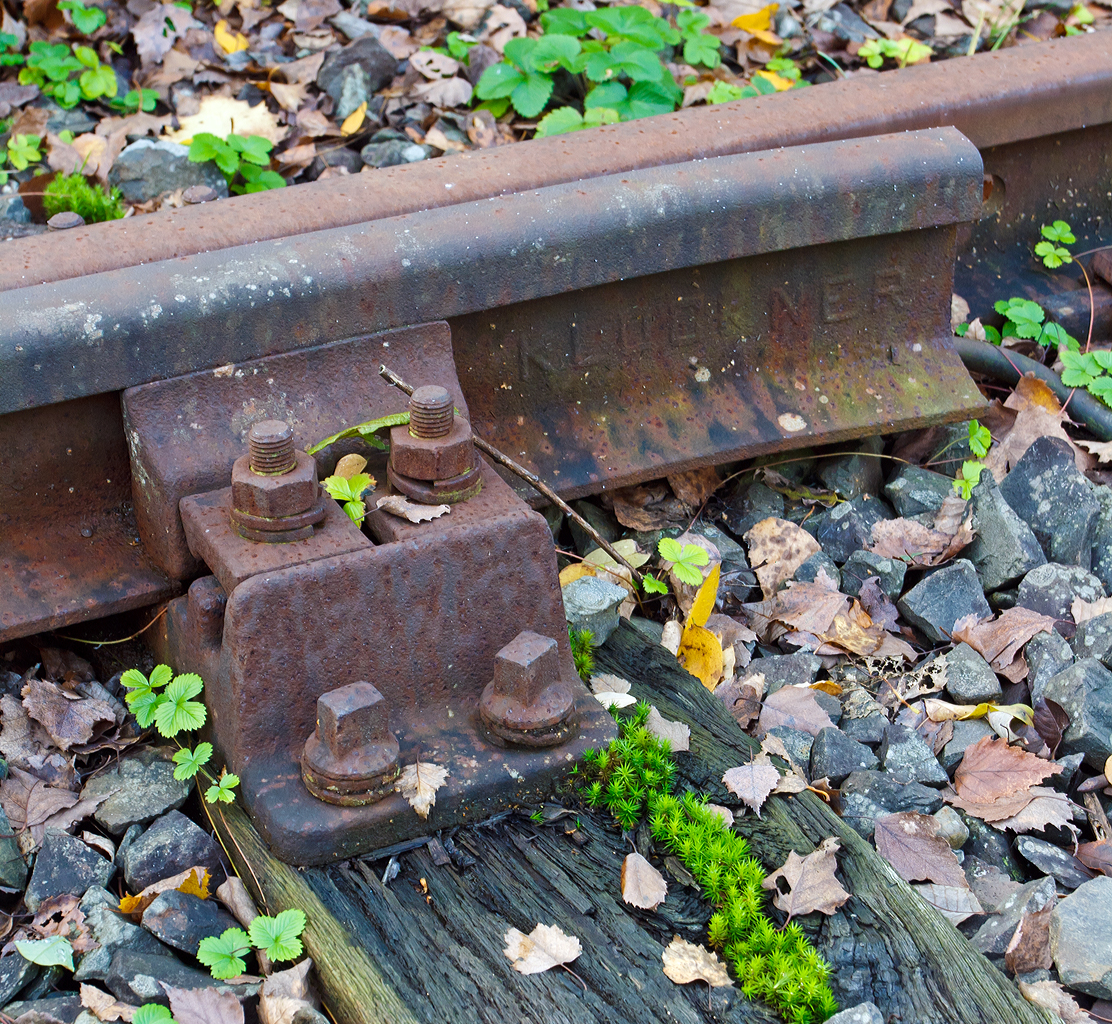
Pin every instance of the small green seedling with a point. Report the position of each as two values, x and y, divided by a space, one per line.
277 937
75 192
903 51
246 156
568 119
85 19
1052 248
135 100
685 560
582 652
1089 370
10 43
174 711
23 150
350 490
699 47
51 65
980 439
153 1013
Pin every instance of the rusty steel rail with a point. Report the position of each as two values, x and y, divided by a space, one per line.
1023 94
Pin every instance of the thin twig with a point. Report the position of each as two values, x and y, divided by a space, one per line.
104 643
392 378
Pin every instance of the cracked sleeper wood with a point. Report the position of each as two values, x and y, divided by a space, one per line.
354 990
885 944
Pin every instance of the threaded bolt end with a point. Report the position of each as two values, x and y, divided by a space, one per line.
271 446
431 413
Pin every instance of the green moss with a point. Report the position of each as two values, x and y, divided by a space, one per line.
634 776
73 192
582 652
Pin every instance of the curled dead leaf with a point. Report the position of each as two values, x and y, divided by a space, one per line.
810 881
642 885
399 505
544 947
684 962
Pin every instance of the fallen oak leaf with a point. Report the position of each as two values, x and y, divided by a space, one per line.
546 946
419 782
684 962
910 842
752 782
991 769
398 505
642 885
811 882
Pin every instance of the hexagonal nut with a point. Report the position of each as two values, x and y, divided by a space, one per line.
275 496
439 458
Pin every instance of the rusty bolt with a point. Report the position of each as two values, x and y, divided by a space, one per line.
527 703
199 194
433 460
64 220
275 490
352 758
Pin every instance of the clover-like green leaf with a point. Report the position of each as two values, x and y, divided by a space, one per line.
685 559
277 936
189 762
223 791
85 19
979 439
144 704
153 1013
177 712
223 955
652 585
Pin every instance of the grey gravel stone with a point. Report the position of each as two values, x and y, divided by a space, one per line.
1047 654
917 493
355 27
907 758
1052 860
376 62
592 603
820 560
798 744
66 865
863 564
782 670
1052 588
603 522
830 704
1093 639
140 788
146 169
863 1013
15 974
1102 538
991 846
134 977
13 208
847 527
993 936
750 504
969 678
112 931
1051 495
934 604
172 844
853 475
869 730
13 868
65 1008
868 795
392 153
1005 548
951 827
835 756
182 920
966 733
1084 690
1081 938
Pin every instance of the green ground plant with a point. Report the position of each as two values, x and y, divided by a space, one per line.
350 491
75 192
635 776
903 51
9 51
980 440
244 161
582 652
20 152
51 66
135 100
278 937
85 19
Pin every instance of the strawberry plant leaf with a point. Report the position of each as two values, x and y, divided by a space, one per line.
223 955
224 790
189 762
277 936
153 1013
177 712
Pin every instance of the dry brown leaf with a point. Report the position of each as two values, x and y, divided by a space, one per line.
1096 856
684 962
400 506
70 923
203 1005
1038 414
104 1006
776 549
28 801
795 707
642 885
724 813
695 486
221 115
1046 807
69 722
286 992
992 811
752 782
678 734
502 25
648 507
999 642
544 947
158 29
910 842
805 607
811 882
194 881
911 542
398 41
1082 611
955 903
743 698
1051 996
419 782
991 769
1029 949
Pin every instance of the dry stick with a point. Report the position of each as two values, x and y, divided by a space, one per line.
392 378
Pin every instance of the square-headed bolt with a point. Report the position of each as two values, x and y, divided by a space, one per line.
527 703
352 758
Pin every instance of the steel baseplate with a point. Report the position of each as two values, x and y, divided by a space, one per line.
419 611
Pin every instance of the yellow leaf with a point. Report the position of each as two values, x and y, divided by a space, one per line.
229 42
354 121
770 38
192 887
701 654
349 465
757 21
573 572
828 686
131 904
703 604
782 84
942 711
